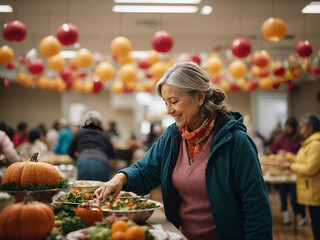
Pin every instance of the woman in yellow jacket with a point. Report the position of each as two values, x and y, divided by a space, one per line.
306 164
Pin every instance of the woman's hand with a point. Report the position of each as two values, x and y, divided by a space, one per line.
113 187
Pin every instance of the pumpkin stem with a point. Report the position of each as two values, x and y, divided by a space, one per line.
34 157
27 198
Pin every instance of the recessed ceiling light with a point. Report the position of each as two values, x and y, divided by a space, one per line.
5 8
154 9
160 1
206 10
313 7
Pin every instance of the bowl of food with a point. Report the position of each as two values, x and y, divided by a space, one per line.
135 208
86 185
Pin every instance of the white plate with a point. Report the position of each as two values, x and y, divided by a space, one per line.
158 205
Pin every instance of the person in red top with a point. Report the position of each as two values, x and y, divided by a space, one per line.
289 141
21 135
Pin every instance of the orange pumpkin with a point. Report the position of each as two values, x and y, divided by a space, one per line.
26 220
31 172
89 213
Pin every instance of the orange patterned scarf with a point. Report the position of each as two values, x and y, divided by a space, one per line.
198 138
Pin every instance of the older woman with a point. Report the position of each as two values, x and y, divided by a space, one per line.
306 164
205 162
93 149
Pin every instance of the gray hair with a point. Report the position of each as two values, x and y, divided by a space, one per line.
311 120
92 118
188 77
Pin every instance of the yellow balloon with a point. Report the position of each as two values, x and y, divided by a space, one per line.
214 65
84 58
117 87
87 87
225 86
6 55
56 63
266 83
60 85
42 82
49 46
125 59
77 85
153 57
120 46
128 73
21 78
237 69
158 69
105 71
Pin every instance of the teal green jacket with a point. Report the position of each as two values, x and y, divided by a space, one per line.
237 192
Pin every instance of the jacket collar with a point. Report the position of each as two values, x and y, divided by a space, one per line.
314 137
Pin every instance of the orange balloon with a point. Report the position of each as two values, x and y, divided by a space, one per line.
56 63
49 46
266 83
125 59
60 85
117 87
105 71
273 29
158 69
240 82
84 58
246 86
255 71
21 78
139 87
261 58
6 55
42 82
128 73
225 86
87 87
77 85
214 65
120 46
29 81
237 69
153 57
149 85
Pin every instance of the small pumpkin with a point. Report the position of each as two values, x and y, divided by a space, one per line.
89 212
26 220
31 172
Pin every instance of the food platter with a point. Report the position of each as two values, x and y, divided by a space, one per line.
138 216
37 195
86 184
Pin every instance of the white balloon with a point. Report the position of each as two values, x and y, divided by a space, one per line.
32 54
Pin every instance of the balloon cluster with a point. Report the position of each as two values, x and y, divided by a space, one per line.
88 71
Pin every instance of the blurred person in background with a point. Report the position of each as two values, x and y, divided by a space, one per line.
289 141
6 145
306 164
207 165
65 136
21 134
52 135
112 130
92 149
152 137
36 144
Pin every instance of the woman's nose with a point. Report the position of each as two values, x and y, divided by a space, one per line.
169 109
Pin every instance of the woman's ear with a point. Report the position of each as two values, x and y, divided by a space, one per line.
201 97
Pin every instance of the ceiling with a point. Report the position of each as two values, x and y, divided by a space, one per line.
98 25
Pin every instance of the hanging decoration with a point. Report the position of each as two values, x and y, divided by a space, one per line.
274 29
49 46
162 41
240 47
6 54
105 71
67 34
120 46
14 31
304 48
6 83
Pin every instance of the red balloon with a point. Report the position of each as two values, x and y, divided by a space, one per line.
67 34
66 74
260 61
291 86
253 85
241 47
304 48
11 65
276 85
316 70
14 31
97 84
148 74
6 83
279 71
194 57
83 74
143 64
234 87
35 66
22 60
162 41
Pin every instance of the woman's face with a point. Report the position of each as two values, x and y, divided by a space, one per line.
288 129
305 131
184 110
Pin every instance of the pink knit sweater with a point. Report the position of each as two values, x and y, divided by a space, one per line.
195 210
6 148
